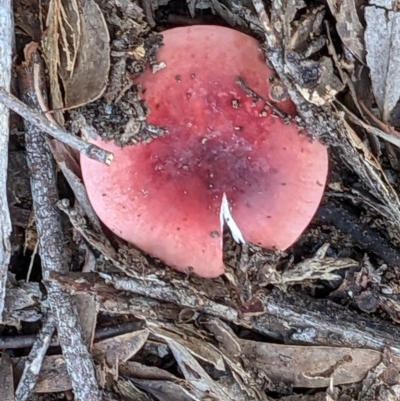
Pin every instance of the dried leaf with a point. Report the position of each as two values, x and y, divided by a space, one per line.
199 348
382 39
87 310
85 73
311 367
239 384
140 371
192 370
76 48
227 14
224 335
348 26
120 348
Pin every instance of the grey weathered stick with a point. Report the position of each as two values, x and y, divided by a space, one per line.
32 366
287 317
6 41
6 378
27 340
51 128
51 240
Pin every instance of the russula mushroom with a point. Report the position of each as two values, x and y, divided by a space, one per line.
225 159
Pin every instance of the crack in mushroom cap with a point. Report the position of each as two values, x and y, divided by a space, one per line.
165 197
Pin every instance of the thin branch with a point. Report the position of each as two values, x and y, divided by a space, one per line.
53 129
6 41
32 367
51 240
6 377
383 131
288 317
27 340
43 184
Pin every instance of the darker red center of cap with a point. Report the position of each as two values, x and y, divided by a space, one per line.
165 197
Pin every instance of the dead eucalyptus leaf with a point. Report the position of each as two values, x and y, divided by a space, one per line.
120 348
224 335
76 48
239 384
198 347
140 371
87 310
303 366
86 79
382 40
310 367
348 26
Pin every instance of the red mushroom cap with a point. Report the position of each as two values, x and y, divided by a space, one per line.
166 197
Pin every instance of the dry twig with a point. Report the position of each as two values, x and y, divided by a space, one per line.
6 40
286 317
27 340
6 378
51 128
32 367
45 196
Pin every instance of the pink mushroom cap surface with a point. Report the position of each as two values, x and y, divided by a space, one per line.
165 197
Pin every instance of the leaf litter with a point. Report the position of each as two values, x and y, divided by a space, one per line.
205 355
